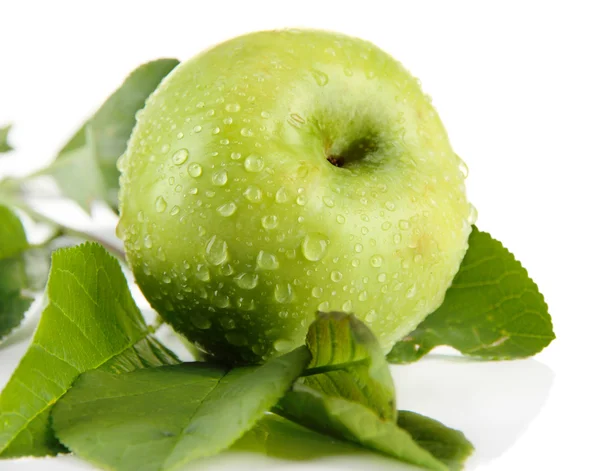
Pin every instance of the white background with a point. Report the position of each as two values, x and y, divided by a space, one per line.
517 85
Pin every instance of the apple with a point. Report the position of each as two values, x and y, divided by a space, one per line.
283 173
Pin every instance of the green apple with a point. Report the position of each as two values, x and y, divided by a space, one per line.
283 173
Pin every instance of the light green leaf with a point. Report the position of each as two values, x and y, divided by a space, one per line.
354 422
493 310
13 275
449 446
12 235
90 317
348 362
280 438
4 145
162 418
85 169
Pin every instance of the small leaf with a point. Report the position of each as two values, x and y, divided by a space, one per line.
449 446
86 167
90 318
354 422
4 145
493 310
348 362
162 418
12 235
13 275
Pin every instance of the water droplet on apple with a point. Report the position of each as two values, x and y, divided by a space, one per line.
227 209
283 293
463 168
216 130
355 262
340 219
314 246
160 205
386 226
404 225
180 156
267 261
220 177
160 254
174 210
320 77
148 241
269 222
358 248
179 135
217 251
246 280
236 156
202 272
376 261
363 296
390 206
472 219
336 276
253 194
165 148
328 202
222 301
232 107
237 339
301 200
194 170
264 114
324 306
411 291
197 129
201 323
382 278
347 306
246 132
281 196
348 72
254 163
371 316
317 292
397 238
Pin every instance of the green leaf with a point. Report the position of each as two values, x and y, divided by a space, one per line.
86 168
4 145
12 235
90 318
280 438
162 418
348 362
493 310
449 446
13 275
354 422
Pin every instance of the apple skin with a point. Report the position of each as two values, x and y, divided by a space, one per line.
239 228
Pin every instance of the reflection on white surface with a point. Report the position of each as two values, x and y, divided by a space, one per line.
491 402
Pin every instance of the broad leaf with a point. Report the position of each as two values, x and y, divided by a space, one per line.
86 168
449 446
13 275
355 422
4 145
348 362
162 418
90 317
493 310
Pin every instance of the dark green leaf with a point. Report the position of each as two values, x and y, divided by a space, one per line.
85 168
4 145
13 276
448 445
493 310
90 317
162 418
355 422
348 362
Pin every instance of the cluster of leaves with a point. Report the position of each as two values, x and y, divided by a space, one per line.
96 382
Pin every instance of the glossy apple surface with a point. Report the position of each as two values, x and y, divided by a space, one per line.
286 172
